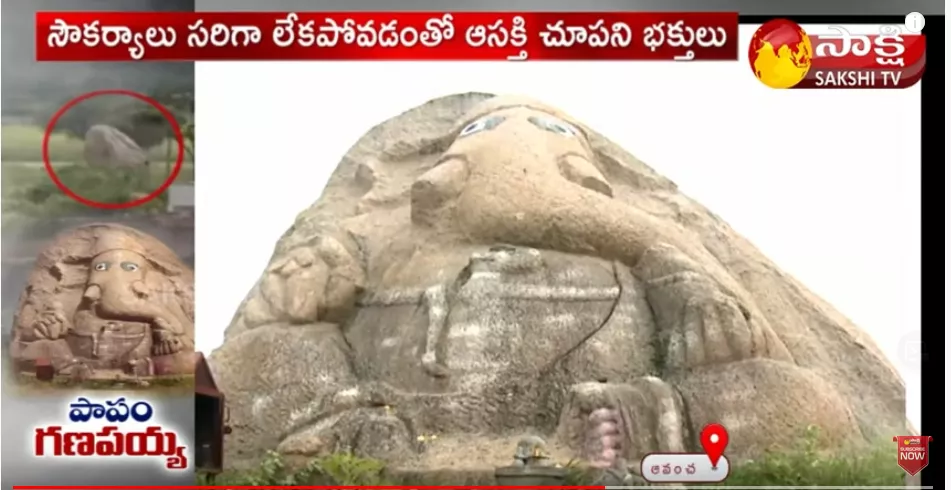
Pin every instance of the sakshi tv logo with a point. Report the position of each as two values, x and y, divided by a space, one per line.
110 429
783 55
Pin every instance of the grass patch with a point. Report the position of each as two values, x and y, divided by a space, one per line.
806 465
335 469
24 143
28 193
169 384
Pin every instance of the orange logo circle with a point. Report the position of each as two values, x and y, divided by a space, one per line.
780 53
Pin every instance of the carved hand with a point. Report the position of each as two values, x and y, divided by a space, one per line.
51 324
317 282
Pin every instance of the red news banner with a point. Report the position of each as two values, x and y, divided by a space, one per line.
403 36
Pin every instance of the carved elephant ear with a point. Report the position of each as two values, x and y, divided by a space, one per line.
167 267
425 130
177 289
623 169
395 152
168 274
70 275
64 263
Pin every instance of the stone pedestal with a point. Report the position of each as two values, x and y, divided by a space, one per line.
182 363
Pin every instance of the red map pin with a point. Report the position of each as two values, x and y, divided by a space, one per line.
714 439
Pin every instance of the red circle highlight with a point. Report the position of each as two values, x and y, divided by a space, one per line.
176 131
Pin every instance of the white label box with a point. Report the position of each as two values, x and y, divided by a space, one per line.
683 468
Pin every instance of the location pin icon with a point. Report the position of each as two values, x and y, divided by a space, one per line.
714 439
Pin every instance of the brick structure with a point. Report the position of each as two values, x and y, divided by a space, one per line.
44 370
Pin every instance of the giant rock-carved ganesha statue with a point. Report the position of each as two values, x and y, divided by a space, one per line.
483 266
107 301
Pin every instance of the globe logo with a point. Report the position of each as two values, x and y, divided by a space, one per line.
780 54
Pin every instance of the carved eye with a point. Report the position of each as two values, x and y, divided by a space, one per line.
483 124
129 266
554 125
102 266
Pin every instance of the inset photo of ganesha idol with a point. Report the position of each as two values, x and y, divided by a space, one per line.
106 305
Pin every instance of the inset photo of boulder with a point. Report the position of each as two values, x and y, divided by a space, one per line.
112 149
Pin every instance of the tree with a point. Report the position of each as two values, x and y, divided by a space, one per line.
145 124
181 104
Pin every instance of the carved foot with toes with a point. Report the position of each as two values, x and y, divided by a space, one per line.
605 439
366 432
167 343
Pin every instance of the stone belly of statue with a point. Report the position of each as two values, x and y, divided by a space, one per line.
514 315
466 331
109 344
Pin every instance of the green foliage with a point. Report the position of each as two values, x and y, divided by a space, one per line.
577 474
142 122
179 385
188 131
24 143
340 468
181 103
335 469
808 464
105 109
28 193
109 185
